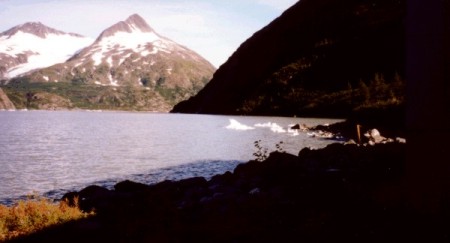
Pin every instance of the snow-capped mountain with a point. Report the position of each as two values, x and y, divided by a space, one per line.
33 45
131 53
129 66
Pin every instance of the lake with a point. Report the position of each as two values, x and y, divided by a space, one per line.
52 152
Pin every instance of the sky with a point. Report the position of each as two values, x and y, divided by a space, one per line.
212 28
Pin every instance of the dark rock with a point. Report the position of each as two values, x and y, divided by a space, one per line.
248 169
334 156
205 200
304 127
194 193
225 179
296 127
130 186
165 188
190 191
304 152
94 198
194 182
255 191
93 191
222 189
72 198
218 195
322 127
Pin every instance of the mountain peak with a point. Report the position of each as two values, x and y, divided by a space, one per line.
131 24
138 22
34 28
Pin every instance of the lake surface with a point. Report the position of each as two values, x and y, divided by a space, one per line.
49 153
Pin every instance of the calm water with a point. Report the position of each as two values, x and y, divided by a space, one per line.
49 153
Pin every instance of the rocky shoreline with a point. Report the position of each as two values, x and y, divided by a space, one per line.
350 133
338 193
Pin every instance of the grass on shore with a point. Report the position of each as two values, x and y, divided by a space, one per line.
28 216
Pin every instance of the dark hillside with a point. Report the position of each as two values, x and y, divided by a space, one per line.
320 58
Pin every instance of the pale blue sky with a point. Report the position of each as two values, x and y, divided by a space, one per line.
213 28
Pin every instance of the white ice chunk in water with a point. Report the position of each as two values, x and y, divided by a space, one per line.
273 127
235 125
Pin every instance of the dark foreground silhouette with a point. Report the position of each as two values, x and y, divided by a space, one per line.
341 193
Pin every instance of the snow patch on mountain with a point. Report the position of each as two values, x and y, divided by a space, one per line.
135 41
37 52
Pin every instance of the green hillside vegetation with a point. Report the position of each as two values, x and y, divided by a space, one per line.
78 94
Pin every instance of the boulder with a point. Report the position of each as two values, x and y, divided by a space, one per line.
301 127
194 182
227 178
72 198
296 127
93 191
94 198
374 136
130 186
254 191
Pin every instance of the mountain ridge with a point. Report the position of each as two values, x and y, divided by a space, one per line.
36 28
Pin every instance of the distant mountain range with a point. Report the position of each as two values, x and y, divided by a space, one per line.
331 58
129 66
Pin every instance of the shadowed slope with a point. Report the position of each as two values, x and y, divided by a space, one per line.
315 48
